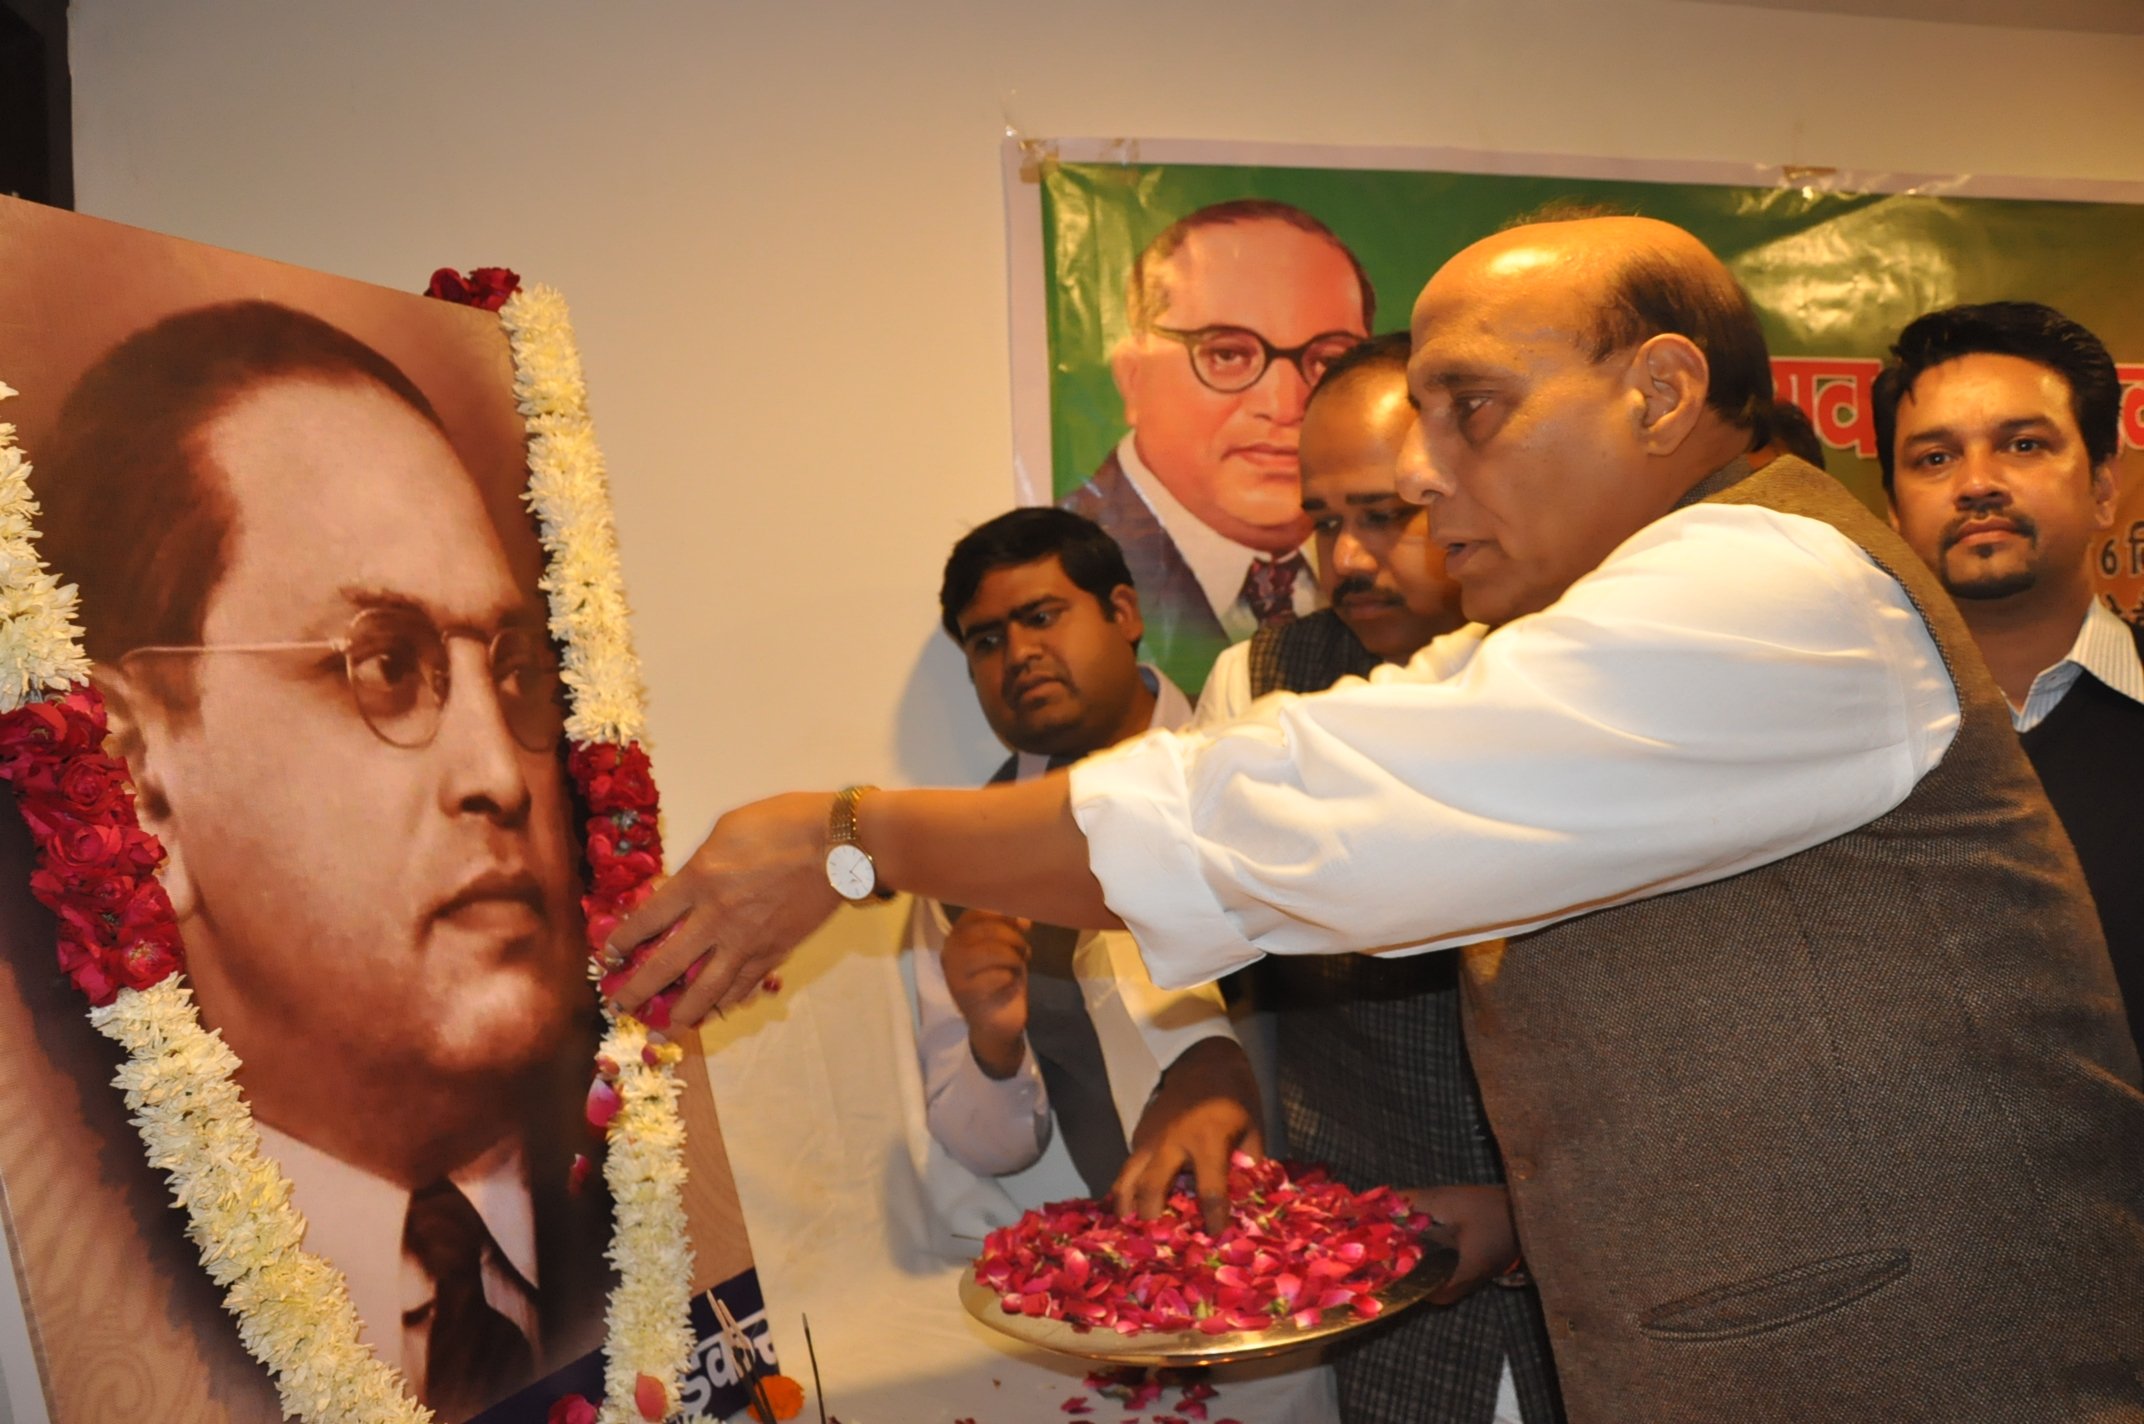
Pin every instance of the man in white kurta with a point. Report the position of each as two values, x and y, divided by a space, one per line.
1681 689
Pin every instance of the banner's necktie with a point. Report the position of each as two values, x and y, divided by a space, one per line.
474 1355
1269 587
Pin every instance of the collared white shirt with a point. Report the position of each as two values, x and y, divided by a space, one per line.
1218 562
354 1221
2104 648
996 1126
1730 686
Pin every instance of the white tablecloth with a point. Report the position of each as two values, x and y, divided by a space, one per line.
855 1215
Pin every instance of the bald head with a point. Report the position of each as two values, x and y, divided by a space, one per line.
1574 379
1618 281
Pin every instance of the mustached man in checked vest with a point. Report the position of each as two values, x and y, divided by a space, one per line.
1370 1067
1029 1030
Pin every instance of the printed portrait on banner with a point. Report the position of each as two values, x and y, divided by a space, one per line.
291 504
1176 315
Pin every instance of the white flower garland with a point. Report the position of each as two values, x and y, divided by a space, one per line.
293 1308
649 1319
40 642
650 1309
571 497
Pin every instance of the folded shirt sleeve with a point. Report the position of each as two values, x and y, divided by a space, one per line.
1730 686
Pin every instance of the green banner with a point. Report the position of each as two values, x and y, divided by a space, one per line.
1834 276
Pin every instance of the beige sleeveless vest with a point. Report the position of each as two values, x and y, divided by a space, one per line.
1851 1137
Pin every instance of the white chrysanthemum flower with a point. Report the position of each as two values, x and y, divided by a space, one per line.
40 641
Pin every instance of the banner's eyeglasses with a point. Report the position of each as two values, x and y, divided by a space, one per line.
1229 359
396 665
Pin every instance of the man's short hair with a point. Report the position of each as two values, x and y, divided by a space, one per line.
1652 295
1387 351
2028 330
1568 210
1144 299
1091 559
130 515
1794 432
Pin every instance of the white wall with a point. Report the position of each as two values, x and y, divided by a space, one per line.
781 227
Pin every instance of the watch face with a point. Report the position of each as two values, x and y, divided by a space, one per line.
850 871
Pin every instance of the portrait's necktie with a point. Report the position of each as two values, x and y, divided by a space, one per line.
1269 587
474 1355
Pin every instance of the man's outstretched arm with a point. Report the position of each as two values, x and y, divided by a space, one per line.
757 886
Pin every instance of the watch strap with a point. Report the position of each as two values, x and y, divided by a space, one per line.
841 818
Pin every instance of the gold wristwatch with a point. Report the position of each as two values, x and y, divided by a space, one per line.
849 868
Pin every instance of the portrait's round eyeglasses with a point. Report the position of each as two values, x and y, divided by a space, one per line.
396 665
1228 359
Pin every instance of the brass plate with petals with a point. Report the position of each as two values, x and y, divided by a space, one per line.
1193 1347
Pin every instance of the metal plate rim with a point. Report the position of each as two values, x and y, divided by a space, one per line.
1164 1349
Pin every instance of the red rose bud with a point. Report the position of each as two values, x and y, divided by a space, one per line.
90 787
606 1068
650 1397
572 1409
603 1104
148 961
577 1174
649 1056
97 986
486 288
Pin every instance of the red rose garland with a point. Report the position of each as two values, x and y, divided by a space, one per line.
96 866
625 852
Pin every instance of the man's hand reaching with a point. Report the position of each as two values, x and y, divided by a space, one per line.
1476 1221
1206 1108
744 901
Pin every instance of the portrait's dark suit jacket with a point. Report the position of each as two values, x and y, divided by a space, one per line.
1183 636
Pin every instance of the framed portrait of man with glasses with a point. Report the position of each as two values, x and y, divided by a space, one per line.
1231 313
291 506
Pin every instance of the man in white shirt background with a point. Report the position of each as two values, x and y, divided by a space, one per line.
1232 313
1027 1029
1028 1032
340 712
1997 427
1765 1134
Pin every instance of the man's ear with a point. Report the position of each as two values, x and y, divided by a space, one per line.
138 724
2104 494
1671 379
1124 370
1124 612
